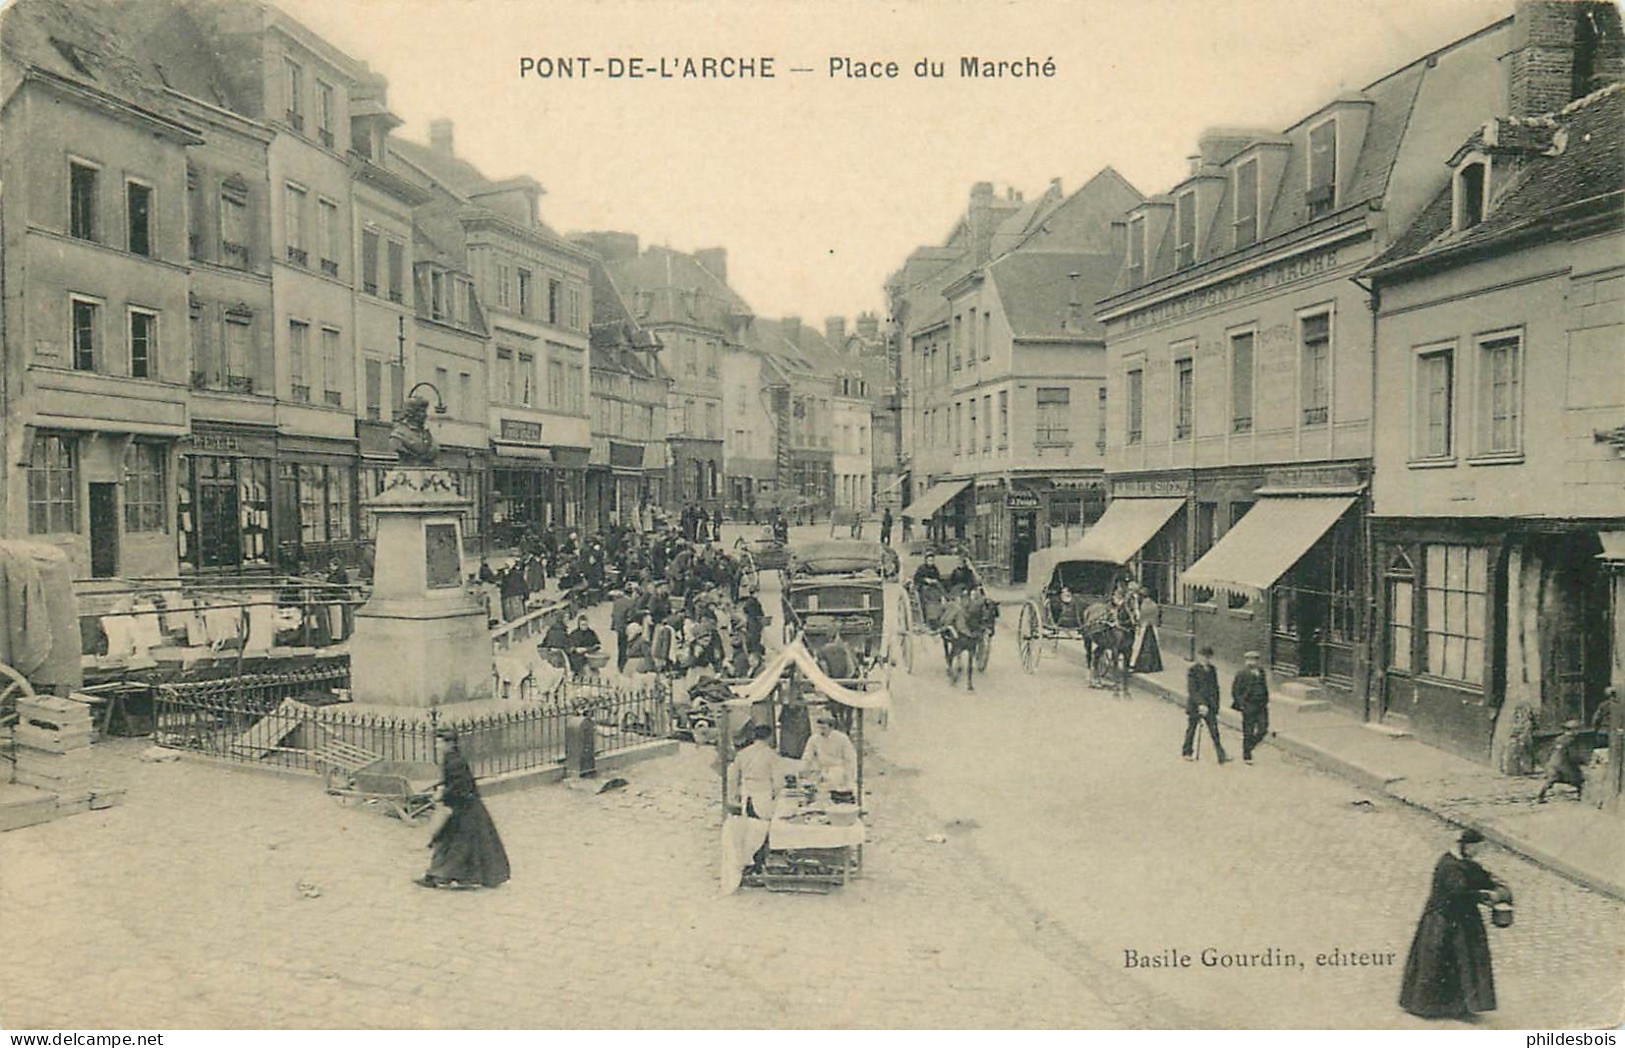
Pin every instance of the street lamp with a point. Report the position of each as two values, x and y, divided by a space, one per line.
439 401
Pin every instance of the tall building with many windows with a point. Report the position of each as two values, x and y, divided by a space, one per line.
96 309
1239 354
1498 511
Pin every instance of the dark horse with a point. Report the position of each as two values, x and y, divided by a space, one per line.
1108 642
965 631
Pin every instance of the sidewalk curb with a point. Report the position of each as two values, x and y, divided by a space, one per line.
1383 783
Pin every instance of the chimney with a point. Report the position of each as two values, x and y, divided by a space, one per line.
609 245
1555 47
869 326
791 326
981 193
715 261
440 136
835 331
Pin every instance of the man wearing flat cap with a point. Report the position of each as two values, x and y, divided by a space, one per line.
1250 694
1570 753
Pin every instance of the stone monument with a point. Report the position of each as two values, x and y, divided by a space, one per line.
421 640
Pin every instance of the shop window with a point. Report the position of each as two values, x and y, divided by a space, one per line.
312 485
1203 535
144 501
1401 632
1455 584
1237 601
53 485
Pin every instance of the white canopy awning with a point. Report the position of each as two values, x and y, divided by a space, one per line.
1124 529
933 500
762 685
1273 536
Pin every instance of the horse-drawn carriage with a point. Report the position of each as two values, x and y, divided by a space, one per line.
1069 597
838 588
926 607
766 552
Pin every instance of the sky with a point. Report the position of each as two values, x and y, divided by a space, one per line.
819 186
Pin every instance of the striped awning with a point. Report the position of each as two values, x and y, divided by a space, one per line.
1263 546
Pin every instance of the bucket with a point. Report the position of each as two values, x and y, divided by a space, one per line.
1501 915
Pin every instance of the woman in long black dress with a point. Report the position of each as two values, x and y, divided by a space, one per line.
467 850
1447 974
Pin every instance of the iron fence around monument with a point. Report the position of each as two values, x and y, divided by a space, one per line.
292 721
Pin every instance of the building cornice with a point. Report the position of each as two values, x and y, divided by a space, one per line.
115 106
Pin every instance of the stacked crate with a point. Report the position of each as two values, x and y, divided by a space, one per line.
53 747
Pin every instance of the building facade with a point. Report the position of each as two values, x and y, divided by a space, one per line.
1498 515
626 474
1239 419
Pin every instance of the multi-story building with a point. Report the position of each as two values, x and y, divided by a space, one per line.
685 301
1498 511
1239 420
95 303
916 310
627 472
533 288
755 400
809 414
1013 379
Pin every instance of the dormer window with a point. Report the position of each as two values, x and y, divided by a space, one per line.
1471 190
1322 195
1246 197
1185 229
1136 249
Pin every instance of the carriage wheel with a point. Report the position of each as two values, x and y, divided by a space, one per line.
905 630
905 643
13 686
1027 640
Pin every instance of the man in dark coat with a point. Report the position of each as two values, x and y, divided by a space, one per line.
1250 694
885 526
1202 703
1448 973
620 613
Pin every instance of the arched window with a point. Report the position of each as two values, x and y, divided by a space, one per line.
1471 192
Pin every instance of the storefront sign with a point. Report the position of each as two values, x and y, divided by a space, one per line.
218 442
521 431
1150 487
1289 477
1022 500
625 455
1284 272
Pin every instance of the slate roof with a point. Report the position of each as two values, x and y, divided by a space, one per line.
1586 174
615 330
81 41
665 286
1036 290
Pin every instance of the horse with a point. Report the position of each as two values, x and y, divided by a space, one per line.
1108 641
964 632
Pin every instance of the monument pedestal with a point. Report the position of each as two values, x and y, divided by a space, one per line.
421 640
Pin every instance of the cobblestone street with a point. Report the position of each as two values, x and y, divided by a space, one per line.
1021 840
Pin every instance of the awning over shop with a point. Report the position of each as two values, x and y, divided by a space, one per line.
938 496
1273 536
1613 547
1124 529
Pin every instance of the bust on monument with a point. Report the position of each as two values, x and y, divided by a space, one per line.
413 442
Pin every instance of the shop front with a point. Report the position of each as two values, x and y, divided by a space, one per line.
570 485
943 509
315 517
225 498
1287 575
1494 632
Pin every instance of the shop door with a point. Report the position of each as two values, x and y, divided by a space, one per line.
219 538
104 530
1023 536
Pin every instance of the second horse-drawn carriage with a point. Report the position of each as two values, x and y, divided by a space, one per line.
1069 597
839 588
